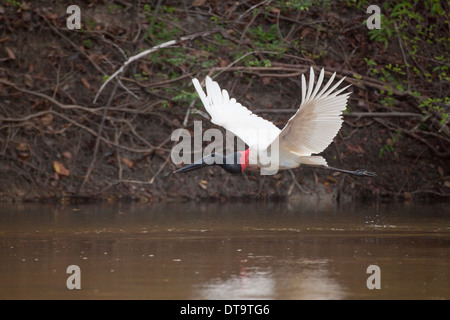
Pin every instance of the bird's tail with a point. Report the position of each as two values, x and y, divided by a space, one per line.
313 161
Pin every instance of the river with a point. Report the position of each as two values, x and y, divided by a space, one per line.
225 251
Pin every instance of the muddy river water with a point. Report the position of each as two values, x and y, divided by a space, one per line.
225 251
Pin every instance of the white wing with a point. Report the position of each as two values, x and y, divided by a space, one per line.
316 122
230 114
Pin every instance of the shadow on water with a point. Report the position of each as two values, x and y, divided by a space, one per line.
224 251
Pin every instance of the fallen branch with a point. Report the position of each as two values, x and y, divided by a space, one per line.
52 100
77 48
153 49
97 141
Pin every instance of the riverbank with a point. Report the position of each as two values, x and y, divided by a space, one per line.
57 144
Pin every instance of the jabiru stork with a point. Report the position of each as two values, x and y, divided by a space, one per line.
308 132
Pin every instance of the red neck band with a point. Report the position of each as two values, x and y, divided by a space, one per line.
244 159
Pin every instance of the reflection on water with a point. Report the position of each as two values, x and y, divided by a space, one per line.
310 281
248 285
224 251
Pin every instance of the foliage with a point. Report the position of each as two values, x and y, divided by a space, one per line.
14 3
256 49
423 42
389 146
302 5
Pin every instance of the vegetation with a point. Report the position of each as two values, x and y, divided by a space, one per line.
56 142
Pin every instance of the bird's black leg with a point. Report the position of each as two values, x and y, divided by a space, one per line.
359 172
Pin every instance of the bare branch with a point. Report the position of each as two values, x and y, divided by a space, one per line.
147 52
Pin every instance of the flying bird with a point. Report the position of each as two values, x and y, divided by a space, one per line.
308 132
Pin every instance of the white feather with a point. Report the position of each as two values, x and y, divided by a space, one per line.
317 120
255 131
309 131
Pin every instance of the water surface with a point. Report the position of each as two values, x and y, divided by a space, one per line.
225 251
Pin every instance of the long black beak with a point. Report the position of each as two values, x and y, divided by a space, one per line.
194 166
191 167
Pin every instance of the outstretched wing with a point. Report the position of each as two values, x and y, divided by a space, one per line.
234 117
318 119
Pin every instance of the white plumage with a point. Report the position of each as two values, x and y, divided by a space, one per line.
230 114
309 131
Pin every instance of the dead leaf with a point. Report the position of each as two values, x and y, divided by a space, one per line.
23 151
198 3
52 16
160 152
67 154
202 185
60 169
46 120
28 81
86 83
305 32
224 62
332 179
22 146
23 156
25 6
275 10
97 58
249 96
146 68
10 53
441 171
200 53
266 80
447 184
356 149
128 162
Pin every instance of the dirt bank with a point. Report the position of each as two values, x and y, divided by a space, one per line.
57 144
